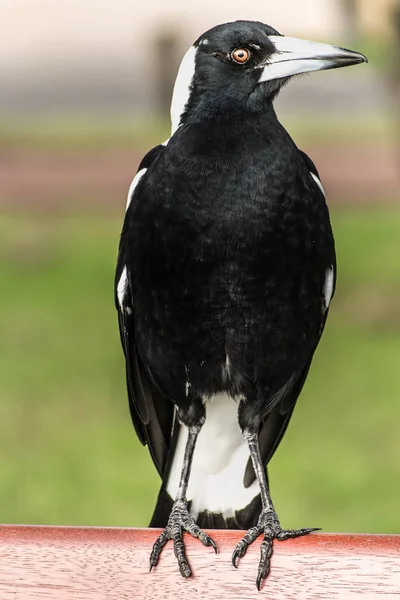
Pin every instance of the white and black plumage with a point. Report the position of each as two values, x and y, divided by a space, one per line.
225 272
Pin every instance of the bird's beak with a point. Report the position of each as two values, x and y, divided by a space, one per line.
294 56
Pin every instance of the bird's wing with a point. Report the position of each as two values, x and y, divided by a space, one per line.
284 401
275 424
151 413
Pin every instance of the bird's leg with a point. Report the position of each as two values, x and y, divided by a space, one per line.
180 519
268 522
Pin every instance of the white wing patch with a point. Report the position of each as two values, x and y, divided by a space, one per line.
219 462
328 286
121 287
134 183
137 178
181 93
318 182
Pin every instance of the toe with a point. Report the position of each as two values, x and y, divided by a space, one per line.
157 548
179 549
285 534
260 579
241 548
265 560
205 539
251 535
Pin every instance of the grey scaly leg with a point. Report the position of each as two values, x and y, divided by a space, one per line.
268 522
180 519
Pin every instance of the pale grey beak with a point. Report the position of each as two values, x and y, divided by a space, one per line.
294 56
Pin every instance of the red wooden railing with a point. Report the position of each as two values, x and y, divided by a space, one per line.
77 563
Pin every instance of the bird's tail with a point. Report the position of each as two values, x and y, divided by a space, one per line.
162 510
242 519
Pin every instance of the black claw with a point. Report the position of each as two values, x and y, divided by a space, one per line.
259 582
153 560
213 544
238 553
206 540
235 557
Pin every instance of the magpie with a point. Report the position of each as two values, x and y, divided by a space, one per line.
226 269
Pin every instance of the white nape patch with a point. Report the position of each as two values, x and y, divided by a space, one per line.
181 93
133 185
318 182
294 56
328 285
219 462
121 287
204 42
166 142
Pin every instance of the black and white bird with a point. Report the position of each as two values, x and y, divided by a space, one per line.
225 272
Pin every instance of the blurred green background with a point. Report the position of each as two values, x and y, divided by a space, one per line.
68 452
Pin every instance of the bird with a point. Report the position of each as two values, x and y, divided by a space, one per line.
225 273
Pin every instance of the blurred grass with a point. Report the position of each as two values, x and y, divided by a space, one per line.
378 49
61 135
68 452
65 133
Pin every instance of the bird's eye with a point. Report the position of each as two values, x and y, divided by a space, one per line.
240 55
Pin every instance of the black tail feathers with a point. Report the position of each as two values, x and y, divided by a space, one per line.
162 510
243 519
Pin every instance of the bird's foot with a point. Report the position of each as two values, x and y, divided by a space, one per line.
179 521
268 524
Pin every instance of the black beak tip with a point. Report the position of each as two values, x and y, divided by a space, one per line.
351 57
355 58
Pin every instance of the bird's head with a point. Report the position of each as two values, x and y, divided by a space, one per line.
242 65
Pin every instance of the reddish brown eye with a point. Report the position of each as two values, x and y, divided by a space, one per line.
240 55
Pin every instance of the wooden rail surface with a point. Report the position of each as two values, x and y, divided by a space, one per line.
78 563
